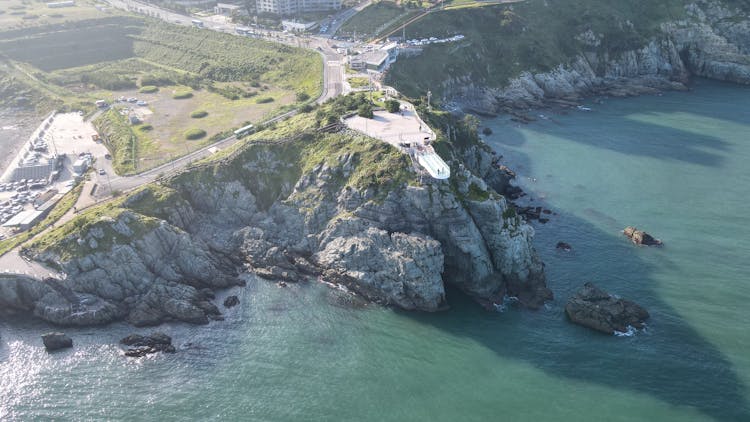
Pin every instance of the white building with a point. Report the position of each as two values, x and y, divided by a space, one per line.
59 4
290 7
294 26
226 9
25 219
80 166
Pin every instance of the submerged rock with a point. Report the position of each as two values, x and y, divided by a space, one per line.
600 311
144 345
56 341
563 246
639 237
231 301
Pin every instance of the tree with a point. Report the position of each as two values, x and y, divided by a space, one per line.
365 110
393 106
302 96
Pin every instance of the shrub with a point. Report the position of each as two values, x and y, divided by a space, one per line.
302 96
109 81
148 89
264 100
156 79
146 128
182 95
392 106
365 110
193 134
199 114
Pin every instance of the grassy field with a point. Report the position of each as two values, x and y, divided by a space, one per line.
502 41
18 14
374 19
359 82
234 79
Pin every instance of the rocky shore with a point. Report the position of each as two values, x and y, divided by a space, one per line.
712 42
158 254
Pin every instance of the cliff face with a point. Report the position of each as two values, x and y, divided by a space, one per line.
712 42
157 254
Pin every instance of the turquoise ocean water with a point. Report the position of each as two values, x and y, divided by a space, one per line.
675 165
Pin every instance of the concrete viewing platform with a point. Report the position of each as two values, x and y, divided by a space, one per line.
406 131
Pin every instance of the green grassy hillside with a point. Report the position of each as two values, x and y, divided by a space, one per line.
536 35
375 18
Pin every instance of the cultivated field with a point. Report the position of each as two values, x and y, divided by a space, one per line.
190 80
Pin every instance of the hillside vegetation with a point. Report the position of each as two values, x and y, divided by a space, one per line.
70 65
378 167
120 139
224 57
375 18
535 35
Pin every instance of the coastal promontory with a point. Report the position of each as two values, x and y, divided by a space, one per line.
296 204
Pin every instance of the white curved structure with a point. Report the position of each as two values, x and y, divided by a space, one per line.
434 165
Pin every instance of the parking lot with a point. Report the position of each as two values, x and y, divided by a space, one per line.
73 140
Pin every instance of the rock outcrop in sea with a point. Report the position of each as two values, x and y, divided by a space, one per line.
711 42
639 237
594 308
356 215
140 345
56 341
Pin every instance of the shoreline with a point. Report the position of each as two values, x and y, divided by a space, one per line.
19 124
523 115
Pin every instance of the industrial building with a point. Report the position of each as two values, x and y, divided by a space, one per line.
290 7
24 220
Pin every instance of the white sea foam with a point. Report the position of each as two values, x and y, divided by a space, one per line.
630 332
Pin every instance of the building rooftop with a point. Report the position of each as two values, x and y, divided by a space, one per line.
23 218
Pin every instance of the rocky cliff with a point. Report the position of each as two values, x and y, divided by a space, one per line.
340 208
711 41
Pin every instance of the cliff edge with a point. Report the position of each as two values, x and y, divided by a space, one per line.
336 207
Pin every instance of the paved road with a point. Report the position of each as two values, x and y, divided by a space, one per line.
13 263
340 18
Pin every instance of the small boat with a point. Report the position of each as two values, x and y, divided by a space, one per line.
582 108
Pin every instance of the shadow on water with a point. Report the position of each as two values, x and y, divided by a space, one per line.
656 134
670 360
